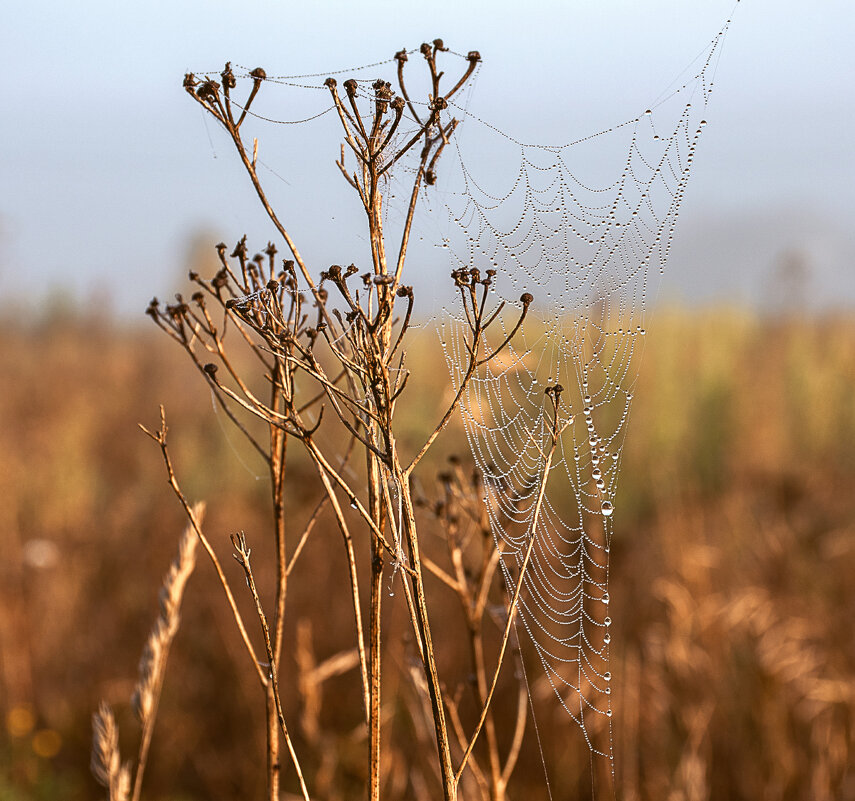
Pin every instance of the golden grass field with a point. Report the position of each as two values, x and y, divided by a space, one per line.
732 583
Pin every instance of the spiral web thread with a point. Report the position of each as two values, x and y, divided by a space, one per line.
591 255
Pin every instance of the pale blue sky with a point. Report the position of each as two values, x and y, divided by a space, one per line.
106 166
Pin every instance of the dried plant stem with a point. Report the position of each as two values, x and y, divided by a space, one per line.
449 780
354 588
242 556
375 631
554 393
160 438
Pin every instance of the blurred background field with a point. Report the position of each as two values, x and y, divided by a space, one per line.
732 588
732 575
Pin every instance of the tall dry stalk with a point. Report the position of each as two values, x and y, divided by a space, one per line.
331 359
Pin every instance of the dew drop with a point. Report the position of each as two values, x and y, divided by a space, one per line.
608 713
607 508
597 474
605 599
607 621
607 676
607 638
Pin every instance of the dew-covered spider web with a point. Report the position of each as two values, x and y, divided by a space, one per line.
591 252
590 247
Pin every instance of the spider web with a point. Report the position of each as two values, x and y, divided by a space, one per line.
591 253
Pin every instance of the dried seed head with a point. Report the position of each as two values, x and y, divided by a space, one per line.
190 81
526 298
401 56
474 56
220 280
210 369
208 90
106 760
350 86
258 74
330 83
240 249
383 94
228 77
439 44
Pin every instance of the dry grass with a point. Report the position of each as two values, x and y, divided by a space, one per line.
732 592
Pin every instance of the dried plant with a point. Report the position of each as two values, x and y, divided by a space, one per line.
328 364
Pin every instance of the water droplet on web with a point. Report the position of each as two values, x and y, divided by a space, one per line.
597 474
615 456
607 508
605 599
353 503
607 638
607 676
607 621
608 713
